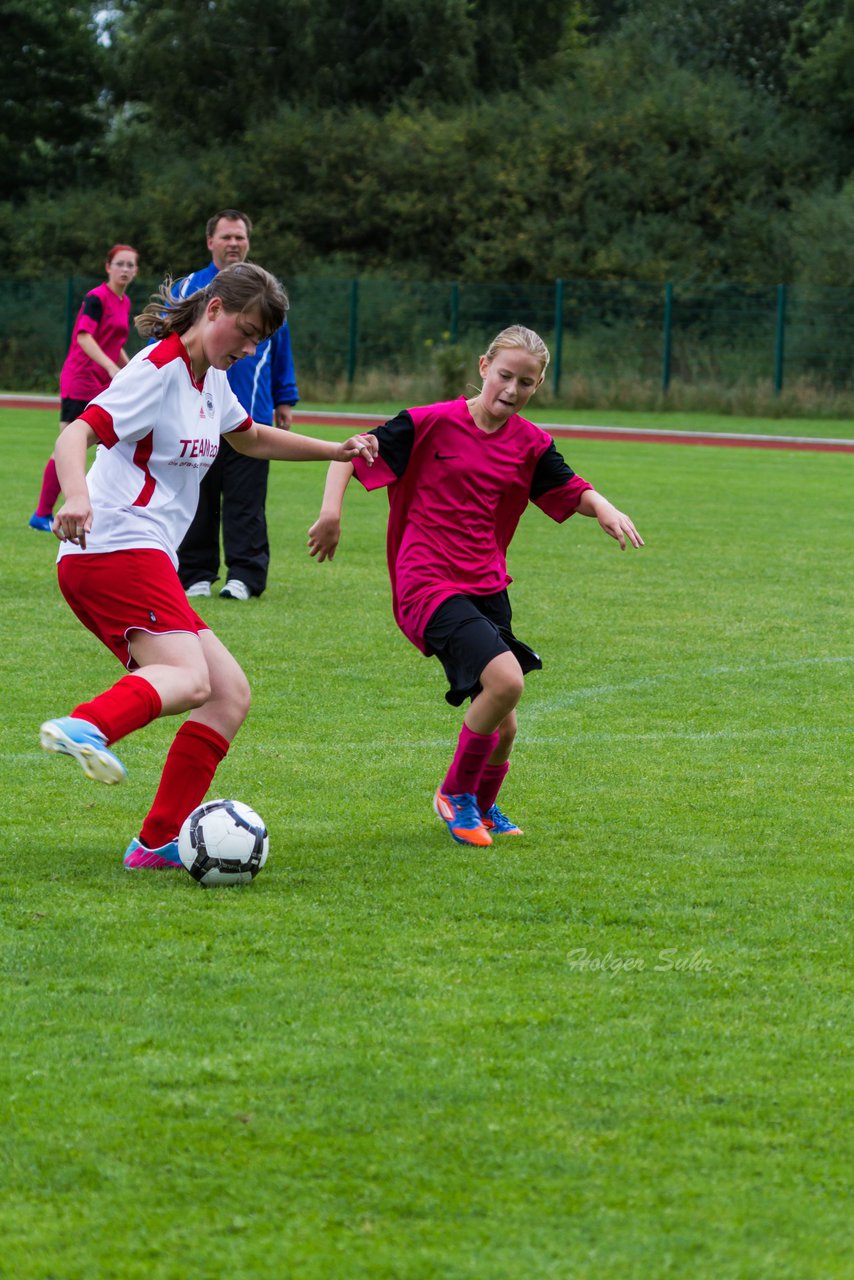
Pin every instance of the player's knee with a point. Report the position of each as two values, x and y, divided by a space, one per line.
509 685
503 679
518 686
240 696
234 697
198 689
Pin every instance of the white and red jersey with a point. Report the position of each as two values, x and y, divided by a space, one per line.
158 430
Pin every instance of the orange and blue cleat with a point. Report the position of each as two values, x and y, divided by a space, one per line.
499 824
462 818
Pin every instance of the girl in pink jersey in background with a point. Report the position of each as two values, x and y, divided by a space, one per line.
96 354
459 475
158 428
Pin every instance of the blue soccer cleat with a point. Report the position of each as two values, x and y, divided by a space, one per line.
88 746
498 824
462 817
42 524
138 856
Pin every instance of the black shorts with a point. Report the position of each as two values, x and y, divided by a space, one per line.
466 633
71 409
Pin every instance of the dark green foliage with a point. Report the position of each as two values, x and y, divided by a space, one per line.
823 227
607 14
49 91
821 69
636 169
748 38
242 56
480 141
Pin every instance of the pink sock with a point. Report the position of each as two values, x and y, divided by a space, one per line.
50 490
473 751
490 784
131 703
188 772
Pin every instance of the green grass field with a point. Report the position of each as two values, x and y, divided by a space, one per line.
616 1049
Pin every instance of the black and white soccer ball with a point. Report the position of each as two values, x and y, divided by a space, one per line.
223 842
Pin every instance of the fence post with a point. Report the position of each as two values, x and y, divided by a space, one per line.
69 310
353 331
556 363
779 339
455 312
667 338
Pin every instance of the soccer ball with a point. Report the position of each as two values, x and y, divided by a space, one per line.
223 842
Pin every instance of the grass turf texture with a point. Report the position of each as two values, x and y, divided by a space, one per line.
614 1048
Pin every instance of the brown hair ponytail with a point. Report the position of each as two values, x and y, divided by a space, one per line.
242 287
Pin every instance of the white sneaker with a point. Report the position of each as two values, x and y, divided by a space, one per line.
234 589
199 589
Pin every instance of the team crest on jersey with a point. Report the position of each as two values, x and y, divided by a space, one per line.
209 404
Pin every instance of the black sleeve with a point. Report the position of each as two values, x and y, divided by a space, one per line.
93 307
550 473
395 439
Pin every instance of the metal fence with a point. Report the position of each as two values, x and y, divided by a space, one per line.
609 332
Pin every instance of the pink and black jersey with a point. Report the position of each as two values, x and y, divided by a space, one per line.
107 317
456 495
158 431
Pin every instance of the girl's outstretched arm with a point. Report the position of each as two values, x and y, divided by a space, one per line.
325 534
614 522
287 446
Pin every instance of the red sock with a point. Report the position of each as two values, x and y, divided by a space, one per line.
130 704
188 772
50 490
490 785
473 751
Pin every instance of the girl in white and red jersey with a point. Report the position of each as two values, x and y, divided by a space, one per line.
459 475
96 354
158 427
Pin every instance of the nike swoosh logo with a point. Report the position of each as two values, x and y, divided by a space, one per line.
444 457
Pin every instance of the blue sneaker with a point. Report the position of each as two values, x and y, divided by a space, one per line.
79 738
462 817
162 859
499 824
42 524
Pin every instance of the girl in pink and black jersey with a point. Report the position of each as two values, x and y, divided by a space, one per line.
96 354
158 428
459 475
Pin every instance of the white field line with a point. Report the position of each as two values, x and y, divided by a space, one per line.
573 696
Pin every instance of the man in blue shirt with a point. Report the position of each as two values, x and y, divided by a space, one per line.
235 487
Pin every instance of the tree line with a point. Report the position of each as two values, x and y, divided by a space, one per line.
470 139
